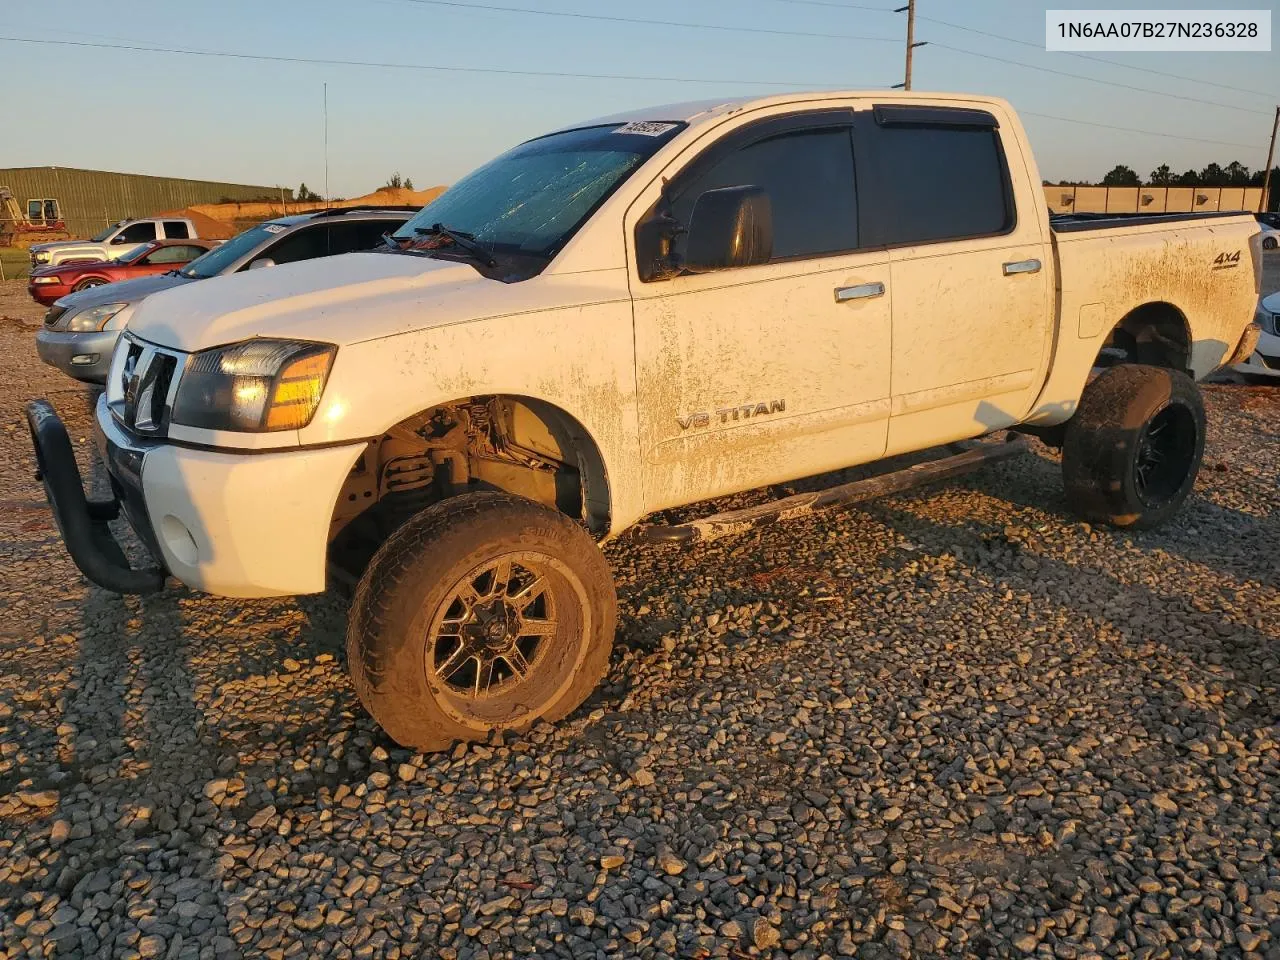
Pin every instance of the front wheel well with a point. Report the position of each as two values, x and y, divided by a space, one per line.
515 444
1154 334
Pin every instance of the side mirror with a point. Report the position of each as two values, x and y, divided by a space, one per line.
121 239
729 227
261 262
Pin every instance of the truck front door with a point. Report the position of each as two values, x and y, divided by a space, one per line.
951 199
763 373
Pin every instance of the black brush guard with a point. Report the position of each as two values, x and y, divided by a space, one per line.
81 521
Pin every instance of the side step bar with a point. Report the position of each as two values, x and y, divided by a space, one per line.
802 504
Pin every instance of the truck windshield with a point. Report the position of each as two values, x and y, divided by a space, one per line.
532 199
225 254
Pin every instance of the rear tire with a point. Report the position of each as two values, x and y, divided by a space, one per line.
483 612
1133 448
1269 243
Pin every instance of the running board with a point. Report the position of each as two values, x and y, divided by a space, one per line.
803 504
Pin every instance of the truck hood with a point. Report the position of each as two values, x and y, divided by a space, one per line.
329 299
125 291
60 245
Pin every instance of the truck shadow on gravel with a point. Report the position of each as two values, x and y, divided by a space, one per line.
1233 654
1241 546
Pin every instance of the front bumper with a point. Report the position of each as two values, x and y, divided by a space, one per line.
238 524
1265 359
45 293
85 356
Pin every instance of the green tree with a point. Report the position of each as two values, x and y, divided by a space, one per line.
1161 176
1213 176
1237 173
1188 179
306 193
1121 176
395 181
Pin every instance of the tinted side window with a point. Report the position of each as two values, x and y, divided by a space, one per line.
351 236
941 183
305 244
809 178
136 233
179 253
176 230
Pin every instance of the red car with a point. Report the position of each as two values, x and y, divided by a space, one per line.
49 283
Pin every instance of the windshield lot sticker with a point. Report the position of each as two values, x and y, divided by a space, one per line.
646 128
275 228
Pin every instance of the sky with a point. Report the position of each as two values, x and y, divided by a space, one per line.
247 121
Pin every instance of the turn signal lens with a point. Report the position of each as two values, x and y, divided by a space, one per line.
255 386
298 390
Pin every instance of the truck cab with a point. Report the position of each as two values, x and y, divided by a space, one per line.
113 241
640 312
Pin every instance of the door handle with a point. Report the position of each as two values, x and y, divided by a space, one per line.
863 291
1021 266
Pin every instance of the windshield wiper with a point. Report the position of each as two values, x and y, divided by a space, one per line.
464 240
391 241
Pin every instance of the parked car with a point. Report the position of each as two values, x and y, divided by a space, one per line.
113 242
80 329
159 256
1264 363
641 313
1270 223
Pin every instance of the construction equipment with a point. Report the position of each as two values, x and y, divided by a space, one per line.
42 222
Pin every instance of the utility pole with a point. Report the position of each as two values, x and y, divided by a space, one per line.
1271 152
910 9
326 140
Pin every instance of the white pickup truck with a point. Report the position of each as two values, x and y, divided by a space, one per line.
112 242
632 314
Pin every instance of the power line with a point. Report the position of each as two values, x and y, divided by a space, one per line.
1081 76
645 22
325 61
1079 56
1149 133
831 4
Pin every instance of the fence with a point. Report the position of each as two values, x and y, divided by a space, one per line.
1151 199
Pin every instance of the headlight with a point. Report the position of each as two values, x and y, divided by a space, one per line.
40 280
94 318
255 386
42 256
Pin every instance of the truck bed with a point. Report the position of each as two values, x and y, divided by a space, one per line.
1071 222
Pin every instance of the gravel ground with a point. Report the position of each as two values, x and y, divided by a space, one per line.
952 724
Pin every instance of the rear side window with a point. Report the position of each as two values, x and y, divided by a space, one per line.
176 230
356 235
941 183
137 233
808 175
178 253
304 244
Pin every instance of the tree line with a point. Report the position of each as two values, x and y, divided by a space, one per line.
1234 174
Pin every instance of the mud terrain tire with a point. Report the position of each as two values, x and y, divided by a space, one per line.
1133 448
483 612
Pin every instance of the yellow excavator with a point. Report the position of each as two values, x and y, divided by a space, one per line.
42 222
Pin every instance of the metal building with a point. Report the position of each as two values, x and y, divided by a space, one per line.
89 200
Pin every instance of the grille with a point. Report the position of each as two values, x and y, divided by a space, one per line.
51 318
139 385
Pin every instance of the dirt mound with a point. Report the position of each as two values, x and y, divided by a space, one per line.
206 226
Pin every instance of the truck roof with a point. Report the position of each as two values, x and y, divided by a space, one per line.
699 111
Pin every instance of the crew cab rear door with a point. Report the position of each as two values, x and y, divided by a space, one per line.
762 373
947 192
